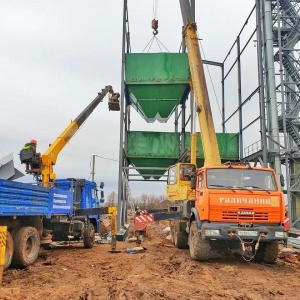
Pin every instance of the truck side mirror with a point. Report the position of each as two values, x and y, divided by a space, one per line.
101 185
281 180
193 180
101 200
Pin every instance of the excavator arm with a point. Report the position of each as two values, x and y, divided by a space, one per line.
48 159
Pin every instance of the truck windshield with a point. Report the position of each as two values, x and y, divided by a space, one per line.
240 179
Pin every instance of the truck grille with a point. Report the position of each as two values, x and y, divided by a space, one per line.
233 215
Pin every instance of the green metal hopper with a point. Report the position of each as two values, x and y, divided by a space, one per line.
161 149
228 146
156 83
152 149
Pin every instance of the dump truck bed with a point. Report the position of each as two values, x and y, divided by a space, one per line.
24 199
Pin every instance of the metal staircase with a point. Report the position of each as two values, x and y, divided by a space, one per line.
292 128
290 36
289 31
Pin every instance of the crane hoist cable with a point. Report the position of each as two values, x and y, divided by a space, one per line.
217 100
158 43
212 83
154 26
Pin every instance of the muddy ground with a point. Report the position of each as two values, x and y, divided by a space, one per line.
161 272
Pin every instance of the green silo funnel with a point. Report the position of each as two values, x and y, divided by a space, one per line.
156 83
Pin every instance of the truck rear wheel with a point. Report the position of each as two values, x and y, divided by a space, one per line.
199 248
180 236
26 246
89 236
9 250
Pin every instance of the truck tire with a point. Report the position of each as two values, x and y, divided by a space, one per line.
26 246
180 236
271 252
9 250
172 231
89 236
266 252
260 253
199 248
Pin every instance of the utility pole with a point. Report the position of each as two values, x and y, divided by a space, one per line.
93 168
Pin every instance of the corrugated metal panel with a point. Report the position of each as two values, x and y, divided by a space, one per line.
156 82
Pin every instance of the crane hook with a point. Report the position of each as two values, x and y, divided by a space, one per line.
154 25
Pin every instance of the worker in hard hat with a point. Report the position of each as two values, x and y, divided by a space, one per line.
32 143
30 157
137 211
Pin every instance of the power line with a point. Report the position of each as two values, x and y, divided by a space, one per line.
107 158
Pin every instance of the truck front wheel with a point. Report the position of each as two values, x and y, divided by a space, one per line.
199 248
89 236
271 252
26 246
9 250
266 252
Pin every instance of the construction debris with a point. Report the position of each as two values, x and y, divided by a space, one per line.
135 250
295 242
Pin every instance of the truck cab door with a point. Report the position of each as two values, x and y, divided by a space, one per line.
200 194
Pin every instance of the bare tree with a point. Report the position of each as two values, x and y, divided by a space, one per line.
112 199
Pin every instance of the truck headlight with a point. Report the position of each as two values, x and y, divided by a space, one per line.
280 234
212 232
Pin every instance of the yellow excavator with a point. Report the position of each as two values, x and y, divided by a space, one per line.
41 166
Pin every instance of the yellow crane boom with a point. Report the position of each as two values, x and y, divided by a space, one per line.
49 157
178 187
198 85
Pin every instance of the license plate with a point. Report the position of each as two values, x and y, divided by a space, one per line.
247 233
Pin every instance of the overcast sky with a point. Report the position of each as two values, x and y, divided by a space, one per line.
55 57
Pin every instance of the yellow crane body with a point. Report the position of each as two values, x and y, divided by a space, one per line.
48 159
198 84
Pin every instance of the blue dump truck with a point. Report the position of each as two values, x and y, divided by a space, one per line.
36 216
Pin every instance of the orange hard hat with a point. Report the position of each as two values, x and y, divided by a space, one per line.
33 142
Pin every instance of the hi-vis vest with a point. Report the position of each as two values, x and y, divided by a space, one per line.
27 146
